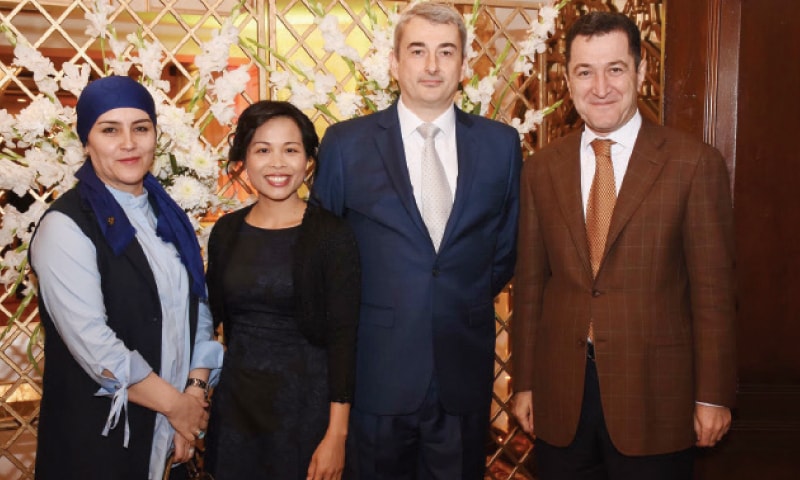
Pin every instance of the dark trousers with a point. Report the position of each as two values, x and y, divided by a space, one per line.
429 444
592 455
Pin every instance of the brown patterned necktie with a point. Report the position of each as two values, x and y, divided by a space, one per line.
602 197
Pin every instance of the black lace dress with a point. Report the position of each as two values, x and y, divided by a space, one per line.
270 409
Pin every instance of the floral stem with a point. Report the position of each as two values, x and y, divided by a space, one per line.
503 94
34 340
324 109
552 108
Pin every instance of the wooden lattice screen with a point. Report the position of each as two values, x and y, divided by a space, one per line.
57 29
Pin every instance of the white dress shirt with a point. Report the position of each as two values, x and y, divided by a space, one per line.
413 143
624 138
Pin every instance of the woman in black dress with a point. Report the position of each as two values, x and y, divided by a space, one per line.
284 281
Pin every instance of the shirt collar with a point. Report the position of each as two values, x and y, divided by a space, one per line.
129 200
409 121
625 136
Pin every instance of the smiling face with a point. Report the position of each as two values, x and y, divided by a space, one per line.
604 81
121 146
428 64
276 161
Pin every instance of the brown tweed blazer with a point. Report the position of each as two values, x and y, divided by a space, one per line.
662 302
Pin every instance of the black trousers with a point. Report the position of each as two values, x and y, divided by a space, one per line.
429 444
592 455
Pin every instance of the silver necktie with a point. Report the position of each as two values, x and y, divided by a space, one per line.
436 197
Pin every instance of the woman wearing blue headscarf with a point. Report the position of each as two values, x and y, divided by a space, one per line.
129 344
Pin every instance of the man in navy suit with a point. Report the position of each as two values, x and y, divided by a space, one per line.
426 335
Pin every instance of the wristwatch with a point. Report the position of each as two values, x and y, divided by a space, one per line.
196 382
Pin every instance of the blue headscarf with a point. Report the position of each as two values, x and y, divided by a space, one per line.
107 94
172 224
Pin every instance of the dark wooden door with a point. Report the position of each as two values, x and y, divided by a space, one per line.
732 74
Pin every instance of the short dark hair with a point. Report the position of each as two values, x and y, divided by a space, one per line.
601 23
260 113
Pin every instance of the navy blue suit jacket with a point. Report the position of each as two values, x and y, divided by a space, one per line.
424 314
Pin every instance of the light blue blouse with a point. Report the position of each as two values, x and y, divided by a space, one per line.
65 262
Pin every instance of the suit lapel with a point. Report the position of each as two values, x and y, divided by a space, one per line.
645 165
565 175
389 143
467 153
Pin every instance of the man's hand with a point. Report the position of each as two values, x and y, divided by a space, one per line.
711 424
522 407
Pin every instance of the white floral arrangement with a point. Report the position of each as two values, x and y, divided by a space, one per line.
40 150
311 90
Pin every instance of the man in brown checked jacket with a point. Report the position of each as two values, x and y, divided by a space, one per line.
624 359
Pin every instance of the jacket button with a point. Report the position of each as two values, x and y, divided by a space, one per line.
435 272
596 293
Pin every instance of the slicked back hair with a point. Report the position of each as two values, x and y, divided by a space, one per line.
601 23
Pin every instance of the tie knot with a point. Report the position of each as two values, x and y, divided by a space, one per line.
602 147
428 130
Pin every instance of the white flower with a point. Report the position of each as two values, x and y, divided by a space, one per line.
280 79
349 104
47 86
532 119
482 93
98 19
231 84
160 168
188 192
223 112
35 119
176 124
548 13
383 39
302 97
118 47
119 67
16 178
523 65
376 69
469 50
7 122
215 53
333 40
11 262
308 70
75 77
150 54
44 72
382 99
43 160
203 162
324 83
